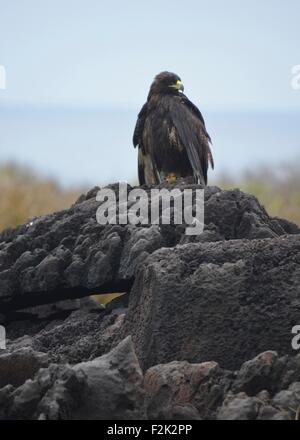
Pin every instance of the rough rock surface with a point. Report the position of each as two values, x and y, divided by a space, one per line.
113 387
85 334
109 386
69 255
224 301
204 331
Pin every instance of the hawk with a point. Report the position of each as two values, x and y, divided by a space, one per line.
171 135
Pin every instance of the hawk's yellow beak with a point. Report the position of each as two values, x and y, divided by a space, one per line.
178 86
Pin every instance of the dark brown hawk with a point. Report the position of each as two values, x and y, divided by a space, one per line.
171 136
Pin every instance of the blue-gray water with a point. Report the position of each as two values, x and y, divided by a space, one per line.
93 146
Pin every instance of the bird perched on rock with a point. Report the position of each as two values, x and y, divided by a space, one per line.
171 136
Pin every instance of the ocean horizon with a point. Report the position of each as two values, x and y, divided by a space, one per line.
93 146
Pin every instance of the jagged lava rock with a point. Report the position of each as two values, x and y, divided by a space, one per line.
198 309
222 302
109 387
69 255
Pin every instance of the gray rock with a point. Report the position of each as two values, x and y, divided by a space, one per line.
85 334
259 373
114 386
109 387
287 402
239 407
179 390
19 365
200 311
224 301
69 255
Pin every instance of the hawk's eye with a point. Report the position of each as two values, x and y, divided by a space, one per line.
177 85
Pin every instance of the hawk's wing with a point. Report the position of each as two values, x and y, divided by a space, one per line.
147 169
191 130
139 127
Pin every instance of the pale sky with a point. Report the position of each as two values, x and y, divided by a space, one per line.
230 54
78 72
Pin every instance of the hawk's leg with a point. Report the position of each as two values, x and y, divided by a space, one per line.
171 178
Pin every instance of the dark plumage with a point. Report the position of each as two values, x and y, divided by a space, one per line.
171 135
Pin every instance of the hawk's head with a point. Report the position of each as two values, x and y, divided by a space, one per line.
165 83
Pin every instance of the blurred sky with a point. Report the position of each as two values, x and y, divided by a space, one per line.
233 56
